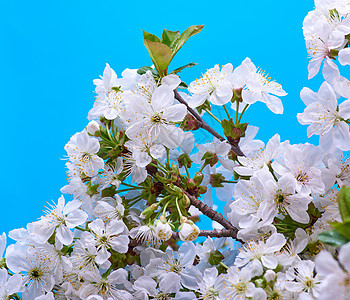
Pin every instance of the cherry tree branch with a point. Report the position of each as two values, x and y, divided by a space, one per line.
218 233
235 148
212 233
210 213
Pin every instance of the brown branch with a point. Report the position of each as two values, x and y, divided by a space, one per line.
235 148
209 212
218 233
212 233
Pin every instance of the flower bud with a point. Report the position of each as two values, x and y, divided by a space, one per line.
198 178
190 123
93 128
163 230
188 231
202 189
149 211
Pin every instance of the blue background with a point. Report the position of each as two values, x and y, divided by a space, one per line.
52 50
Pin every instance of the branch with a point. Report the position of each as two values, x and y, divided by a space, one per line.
208 233
212 233
235 148
210 213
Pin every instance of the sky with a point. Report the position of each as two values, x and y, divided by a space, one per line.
52 50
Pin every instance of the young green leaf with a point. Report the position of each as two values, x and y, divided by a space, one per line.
160 54
190 65
151 37
169 37
185 36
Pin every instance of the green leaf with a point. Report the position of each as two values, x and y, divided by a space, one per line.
343 228
143 70
190 65
332 238
185 36
183 85
169 37
151 37
344 203
160 54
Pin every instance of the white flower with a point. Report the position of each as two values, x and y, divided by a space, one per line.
163 229
326 118
84 262
82 150
344 56
157 118
249 195
256 254
106 236
188 231
179 263
209 247
37 269
9 284
208 288
60 218
259 158
303 162
259 87
217 148
146 234
144 149
280 197
106 287
301 279
214 86
138 174
110 101
111 174
337 170
109 208
323 31
78 189
237 285
336 284
92 127
48 296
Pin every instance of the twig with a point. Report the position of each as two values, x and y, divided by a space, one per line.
208 233
212 233
210 213
205 126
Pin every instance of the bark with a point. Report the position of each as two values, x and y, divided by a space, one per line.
235 148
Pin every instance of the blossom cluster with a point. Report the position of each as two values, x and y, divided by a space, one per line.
140 182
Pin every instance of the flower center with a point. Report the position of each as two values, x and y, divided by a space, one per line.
241 287
35 274
156 118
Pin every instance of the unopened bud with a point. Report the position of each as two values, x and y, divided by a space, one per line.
149 211
198 178
190 123
163 229
93 128
188 231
